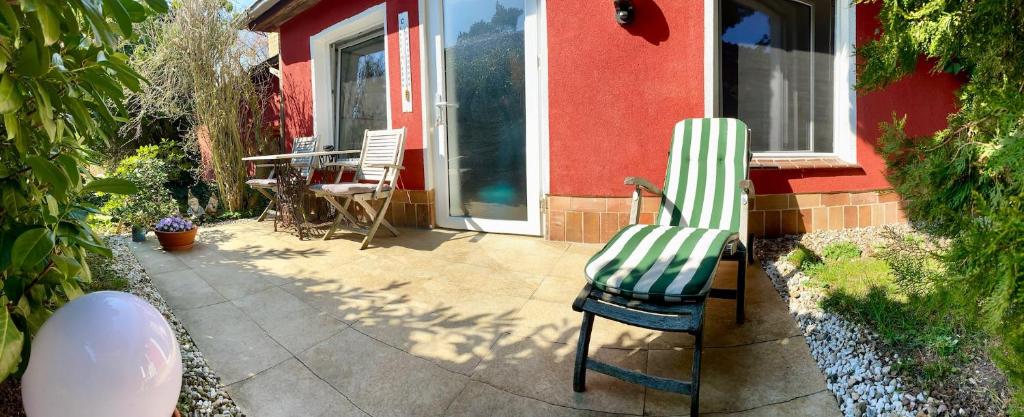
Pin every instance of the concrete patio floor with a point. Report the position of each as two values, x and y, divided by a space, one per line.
448 323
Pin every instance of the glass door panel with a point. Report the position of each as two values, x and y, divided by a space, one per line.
360 90
485 108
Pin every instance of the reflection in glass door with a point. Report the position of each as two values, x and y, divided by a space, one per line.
360 89
484 104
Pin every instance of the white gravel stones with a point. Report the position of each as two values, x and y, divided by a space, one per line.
200 385
861 378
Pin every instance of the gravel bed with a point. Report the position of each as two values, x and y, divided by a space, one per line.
857 369
202 393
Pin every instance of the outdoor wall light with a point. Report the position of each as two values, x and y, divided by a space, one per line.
624 12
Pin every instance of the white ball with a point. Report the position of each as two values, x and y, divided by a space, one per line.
105 354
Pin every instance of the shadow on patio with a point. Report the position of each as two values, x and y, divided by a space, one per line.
454 323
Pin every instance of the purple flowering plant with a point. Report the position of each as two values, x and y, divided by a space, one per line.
174 224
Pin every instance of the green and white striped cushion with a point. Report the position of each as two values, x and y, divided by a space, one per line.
707 161
658 263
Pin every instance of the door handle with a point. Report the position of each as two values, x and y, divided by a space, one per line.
442 112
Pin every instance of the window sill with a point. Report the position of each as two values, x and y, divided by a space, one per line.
830 162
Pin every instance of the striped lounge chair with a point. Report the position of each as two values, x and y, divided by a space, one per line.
659 276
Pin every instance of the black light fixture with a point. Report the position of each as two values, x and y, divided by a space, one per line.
624 12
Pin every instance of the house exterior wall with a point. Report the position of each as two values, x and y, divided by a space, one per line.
297 81
614 94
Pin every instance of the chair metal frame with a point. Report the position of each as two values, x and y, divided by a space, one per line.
303 144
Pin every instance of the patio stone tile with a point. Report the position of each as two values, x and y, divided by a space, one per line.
381 380
479 399
235 280
572 261
557 322
184 290
534 368
201 255
233 344
767 316
289 389
438 321
821 404
288 320
464 277
344 301
155 260
559 289
737 378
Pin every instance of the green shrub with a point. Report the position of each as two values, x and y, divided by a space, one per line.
841 250
914 267
62 84
965 182
149 173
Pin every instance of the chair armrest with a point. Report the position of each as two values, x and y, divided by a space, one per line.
748 187
642 183
392 166
343 164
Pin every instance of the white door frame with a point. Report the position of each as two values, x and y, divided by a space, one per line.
536 122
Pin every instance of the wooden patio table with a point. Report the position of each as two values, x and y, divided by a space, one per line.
282 165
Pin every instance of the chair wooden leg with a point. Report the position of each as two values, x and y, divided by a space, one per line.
273 201
579 376
741 286
695 377
342 214
378 217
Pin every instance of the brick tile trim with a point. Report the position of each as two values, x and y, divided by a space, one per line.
412 208
596 219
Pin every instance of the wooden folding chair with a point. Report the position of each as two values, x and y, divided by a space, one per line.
374 178
659 276
268 186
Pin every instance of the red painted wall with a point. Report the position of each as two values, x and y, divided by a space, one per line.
616 92
295 64
926 100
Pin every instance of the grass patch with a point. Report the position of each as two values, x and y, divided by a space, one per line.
893 293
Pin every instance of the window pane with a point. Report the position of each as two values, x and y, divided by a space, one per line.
777 72
360 92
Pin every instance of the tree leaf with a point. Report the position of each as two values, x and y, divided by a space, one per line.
49 173
116 10
70 167
71 289
51 206
12 19
10 97
159 6
66 265
11 340
31 247
36 320
50 22
112 186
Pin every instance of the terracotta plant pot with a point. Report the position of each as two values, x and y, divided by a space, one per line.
173 241
176 413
